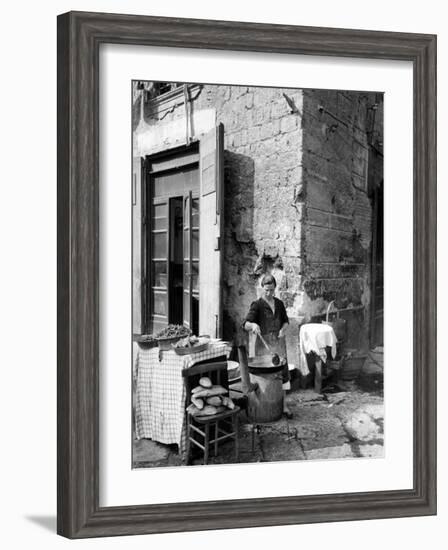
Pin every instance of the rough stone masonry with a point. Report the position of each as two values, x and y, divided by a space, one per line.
297 203
298 168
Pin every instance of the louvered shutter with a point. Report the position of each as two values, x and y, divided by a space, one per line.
211 231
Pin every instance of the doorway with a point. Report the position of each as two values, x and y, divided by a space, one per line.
176 287
377 299
183 187
171 243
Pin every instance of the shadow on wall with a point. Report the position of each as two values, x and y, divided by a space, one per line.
240 254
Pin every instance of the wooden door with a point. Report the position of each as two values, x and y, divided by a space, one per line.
211 214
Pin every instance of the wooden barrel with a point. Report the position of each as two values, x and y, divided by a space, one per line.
265 404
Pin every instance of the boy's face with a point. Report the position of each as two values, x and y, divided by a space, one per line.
269 291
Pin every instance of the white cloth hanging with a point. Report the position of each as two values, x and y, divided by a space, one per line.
315 337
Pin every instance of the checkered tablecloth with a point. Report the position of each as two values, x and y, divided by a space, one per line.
160 392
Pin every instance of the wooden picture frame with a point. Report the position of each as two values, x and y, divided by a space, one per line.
79 38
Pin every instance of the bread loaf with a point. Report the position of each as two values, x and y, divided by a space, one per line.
205 382
209 392
193 410
215 400
227 402
199 403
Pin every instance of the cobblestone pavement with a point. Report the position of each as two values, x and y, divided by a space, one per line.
329 426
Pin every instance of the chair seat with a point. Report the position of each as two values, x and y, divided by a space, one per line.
214 417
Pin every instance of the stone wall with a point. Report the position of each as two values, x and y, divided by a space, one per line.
297 172
337 219
262 171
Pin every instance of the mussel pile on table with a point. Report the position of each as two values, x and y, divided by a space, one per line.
187 342
147 341
173 331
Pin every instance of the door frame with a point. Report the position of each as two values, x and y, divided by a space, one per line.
161 161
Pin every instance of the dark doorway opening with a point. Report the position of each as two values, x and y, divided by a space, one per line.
377 303
176 287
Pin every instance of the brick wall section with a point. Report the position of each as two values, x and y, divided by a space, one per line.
338 214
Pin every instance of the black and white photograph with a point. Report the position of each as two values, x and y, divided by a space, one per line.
257 268
223 290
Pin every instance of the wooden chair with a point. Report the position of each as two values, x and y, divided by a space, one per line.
207 431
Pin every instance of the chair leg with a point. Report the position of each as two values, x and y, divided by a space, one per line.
253 438
235 429
187 443
216 438
206 443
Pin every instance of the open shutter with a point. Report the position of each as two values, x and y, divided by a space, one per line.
138 257
211 208
159 264
188 262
